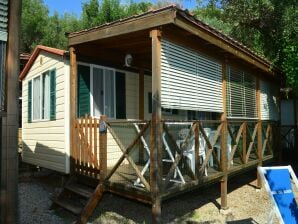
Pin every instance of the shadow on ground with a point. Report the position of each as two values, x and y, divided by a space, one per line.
180 209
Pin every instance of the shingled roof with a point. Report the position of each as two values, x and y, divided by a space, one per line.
178 13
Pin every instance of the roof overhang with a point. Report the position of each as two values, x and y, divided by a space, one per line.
34 55
172 15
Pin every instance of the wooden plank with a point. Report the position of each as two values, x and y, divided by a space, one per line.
236 142
244 141
95 142
72 114
197 147
103 150
90 151
210 146
127 26
156 128
179 156
86 138
91 204
125 152
252 142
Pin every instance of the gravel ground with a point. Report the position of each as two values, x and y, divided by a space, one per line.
246 204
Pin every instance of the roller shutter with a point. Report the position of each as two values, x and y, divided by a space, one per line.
189 80
241 94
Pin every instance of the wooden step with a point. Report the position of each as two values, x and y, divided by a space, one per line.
68 205
86 180
80 189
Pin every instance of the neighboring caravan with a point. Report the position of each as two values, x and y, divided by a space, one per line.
151 106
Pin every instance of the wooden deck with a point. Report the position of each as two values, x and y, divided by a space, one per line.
122 181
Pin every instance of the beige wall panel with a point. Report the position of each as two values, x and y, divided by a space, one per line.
44 141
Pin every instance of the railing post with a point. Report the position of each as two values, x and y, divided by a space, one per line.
244 142
73 100
260 151
103 147
224 165
156 128
223 143
197 146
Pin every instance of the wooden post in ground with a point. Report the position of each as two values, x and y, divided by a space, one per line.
223 144
259 131
156 128
73 105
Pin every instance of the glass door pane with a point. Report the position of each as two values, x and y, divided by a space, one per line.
98 92
109 93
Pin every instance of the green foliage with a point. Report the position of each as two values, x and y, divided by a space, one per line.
33 23
269 27
38 27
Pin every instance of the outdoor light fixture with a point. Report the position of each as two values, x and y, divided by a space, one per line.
286 91
128 60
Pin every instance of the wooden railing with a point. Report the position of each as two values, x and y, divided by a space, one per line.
228 146
88 152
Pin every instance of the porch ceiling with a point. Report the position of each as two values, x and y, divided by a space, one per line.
111 51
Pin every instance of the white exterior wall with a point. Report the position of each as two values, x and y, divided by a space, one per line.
46 143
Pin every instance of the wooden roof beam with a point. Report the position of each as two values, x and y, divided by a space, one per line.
129 26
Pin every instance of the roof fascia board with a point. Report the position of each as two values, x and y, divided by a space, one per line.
129 26
194 29
36 52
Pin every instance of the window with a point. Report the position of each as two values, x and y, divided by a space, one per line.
269 104
103 92
189 79
42 97
241 94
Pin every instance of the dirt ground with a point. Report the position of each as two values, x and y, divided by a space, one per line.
246 204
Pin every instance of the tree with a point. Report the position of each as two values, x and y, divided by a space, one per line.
34 23
269 27
39 28
90 14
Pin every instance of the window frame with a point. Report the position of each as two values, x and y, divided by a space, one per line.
92 66
40 76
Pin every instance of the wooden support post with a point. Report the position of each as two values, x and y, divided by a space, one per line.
197 147
73 104
156 129
259 137
103 147
10 64
244 142
223 143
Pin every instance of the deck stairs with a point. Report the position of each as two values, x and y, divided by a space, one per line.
80 196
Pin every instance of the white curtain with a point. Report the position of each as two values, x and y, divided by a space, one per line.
36 98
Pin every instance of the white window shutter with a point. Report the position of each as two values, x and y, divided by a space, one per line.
189 80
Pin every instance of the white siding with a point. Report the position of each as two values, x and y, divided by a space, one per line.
189 80
44 141
132 95
269 106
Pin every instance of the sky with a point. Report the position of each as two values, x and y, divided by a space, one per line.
75 6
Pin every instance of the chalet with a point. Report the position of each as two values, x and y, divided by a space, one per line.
149 107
